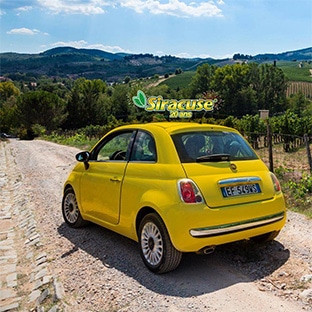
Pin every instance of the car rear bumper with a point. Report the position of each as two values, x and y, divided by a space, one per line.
193 227
237 226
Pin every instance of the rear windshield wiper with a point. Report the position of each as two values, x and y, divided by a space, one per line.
213 157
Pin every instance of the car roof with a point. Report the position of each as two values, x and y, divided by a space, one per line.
176 127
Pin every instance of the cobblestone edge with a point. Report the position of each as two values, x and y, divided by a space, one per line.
25 281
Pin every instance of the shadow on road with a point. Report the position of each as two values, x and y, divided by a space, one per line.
230 264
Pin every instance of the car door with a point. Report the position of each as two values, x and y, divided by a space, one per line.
101 183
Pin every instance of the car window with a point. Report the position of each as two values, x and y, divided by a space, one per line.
116 148
192 145
144 148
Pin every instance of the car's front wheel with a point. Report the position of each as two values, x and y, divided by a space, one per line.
156 249
70 210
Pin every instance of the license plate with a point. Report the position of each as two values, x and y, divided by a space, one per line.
239 190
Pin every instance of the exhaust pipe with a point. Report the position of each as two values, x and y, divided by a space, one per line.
206 250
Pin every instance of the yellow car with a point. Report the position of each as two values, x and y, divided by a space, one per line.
175 187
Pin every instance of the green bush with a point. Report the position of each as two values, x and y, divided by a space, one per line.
298 194
302 188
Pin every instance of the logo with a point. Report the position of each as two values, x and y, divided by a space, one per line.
233 167
177 108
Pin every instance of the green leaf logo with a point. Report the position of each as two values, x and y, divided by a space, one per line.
140 99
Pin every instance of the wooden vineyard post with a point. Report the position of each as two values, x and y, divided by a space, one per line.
264 115
269 134
306 140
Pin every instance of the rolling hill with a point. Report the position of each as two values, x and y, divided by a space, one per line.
69 62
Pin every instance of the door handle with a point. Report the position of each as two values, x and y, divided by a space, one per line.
115 179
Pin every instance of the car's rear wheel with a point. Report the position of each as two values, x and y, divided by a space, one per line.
70 210
156 249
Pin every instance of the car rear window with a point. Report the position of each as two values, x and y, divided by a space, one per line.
212 146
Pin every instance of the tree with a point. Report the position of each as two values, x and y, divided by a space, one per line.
270 87
253 127
7 89
298 103
244 88
201 82
40 107
8 116
8 97
239 56
55 87
84 105
120 104
178 71
289 125
232 82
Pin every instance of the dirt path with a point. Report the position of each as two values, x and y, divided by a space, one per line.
98 270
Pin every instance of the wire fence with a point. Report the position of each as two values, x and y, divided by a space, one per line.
287 153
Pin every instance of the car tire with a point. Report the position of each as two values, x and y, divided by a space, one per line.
265 238
156 249
70 210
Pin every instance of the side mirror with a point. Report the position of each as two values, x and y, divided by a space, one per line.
83 157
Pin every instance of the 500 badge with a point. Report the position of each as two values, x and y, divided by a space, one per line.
178 108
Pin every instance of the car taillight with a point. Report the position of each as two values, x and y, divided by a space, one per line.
276 184
189 192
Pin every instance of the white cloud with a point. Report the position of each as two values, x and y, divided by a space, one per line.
26 31
75 44
82 44
74 6
23 31
15 4
175 7
169 7
112 49
187 55
24 8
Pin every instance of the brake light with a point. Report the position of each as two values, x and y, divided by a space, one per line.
189 192
276 184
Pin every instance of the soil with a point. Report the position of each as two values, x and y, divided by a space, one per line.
98 270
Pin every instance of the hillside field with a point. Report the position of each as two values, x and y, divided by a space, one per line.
299 75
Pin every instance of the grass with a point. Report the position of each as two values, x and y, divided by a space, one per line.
179 81
78 140
298 194
290 69
293 172
296 71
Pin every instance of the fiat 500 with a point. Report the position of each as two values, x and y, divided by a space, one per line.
175 187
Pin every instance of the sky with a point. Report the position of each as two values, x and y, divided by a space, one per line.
182 28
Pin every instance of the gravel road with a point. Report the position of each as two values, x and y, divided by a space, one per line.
93 269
